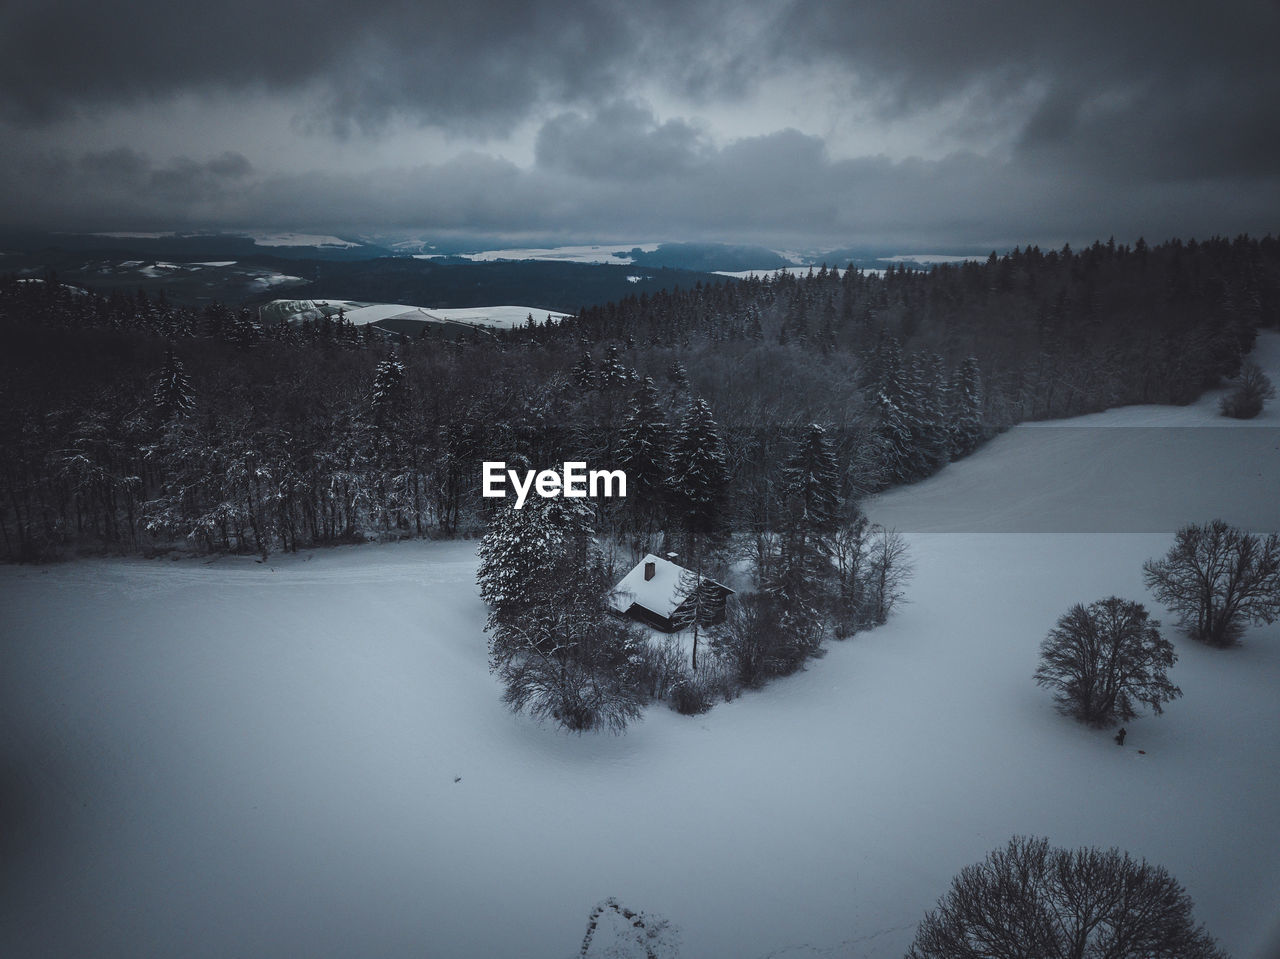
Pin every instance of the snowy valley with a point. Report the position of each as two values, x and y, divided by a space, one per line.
308 756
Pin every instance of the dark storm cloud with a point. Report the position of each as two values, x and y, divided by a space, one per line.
118 189
1184 89
1127 118
475 65
622 141
781 188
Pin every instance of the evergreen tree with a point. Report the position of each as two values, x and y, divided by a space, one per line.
811 482
927 404
551 640
172 394
699 476
678 376
890 403
388 387
964 425
612 372
644 455
802 572
583 373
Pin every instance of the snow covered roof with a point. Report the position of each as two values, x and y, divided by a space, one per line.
662 594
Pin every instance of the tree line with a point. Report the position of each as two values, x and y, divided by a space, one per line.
130 423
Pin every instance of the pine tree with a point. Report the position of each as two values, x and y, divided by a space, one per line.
612 372
551 640
388 387
645 450
890 403
583 373
678 375
811 482
173 394
699 476
928 403
801 573
964 425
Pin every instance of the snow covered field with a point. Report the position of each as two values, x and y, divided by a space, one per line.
309 757
618 253
360 314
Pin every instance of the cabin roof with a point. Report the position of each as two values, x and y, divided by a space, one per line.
661 595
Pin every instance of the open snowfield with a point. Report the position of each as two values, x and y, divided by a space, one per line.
360 314
498 316
618 253
308 757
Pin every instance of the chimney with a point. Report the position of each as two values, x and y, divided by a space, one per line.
650 570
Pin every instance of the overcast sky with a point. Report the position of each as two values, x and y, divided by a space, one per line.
918 124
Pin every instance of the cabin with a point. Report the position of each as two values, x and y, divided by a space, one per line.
661 594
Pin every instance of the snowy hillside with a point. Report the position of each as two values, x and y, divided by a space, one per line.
309 757
594 253
361 314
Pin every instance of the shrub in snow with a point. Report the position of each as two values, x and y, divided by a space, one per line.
1254 390
1104 660
1218 579
574 676
691 696
1030 899
655 667
631 933
755 641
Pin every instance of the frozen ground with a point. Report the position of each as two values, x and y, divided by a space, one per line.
308 757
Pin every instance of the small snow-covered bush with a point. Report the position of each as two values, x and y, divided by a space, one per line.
1247 400
655 667
691 696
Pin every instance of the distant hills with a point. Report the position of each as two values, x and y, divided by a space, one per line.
251 269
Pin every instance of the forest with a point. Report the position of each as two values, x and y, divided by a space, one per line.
130 424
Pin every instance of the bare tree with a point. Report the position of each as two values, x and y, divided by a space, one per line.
1105 659
756 643
1217 579
850 553
888 574
576 681
1031 900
